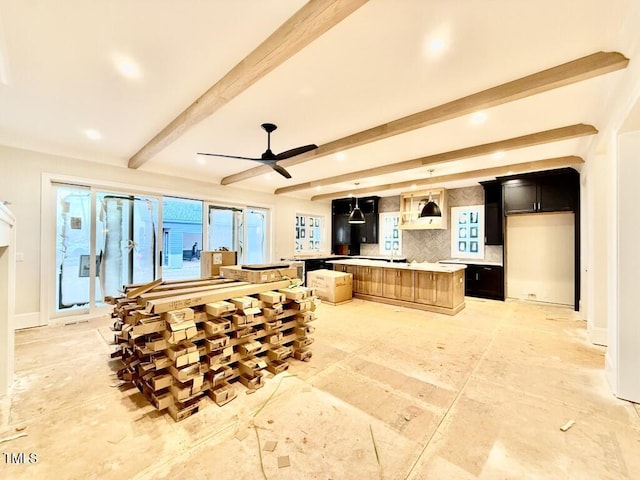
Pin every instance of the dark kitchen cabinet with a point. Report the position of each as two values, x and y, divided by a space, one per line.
493 218
552 191
484 281
344 233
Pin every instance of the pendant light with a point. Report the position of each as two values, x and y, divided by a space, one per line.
431 208
356 215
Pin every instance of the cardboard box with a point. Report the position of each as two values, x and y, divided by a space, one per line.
216 343
258 276
331 286
216 326
277 366
161 381
279 353
218 309
180 315
211 261
162 401
271 298
222 393
249 348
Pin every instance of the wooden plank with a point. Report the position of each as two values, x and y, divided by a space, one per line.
549 163
191 284
577 70
311 21
142 299
538 138
208 296
143 288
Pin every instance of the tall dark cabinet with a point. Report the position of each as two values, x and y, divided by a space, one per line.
543 192
493 218
346 238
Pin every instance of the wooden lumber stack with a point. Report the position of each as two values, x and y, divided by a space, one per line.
180 348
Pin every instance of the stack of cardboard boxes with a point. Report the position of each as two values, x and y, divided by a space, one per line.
179 349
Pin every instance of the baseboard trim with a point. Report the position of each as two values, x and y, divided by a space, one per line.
597 335
27 320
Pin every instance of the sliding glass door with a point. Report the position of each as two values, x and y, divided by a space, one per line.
125 242
107 239
73 248
104 240
243 230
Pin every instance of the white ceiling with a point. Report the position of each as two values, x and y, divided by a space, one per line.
58 79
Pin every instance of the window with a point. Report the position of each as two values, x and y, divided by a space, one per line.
390 234
467 232
240 229
308 233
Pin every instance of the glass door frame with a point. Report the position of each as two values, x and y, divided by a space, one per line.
48 289
48 230
243 240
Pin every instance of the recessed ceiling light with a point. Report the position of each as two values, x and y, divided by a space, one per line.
437 45
201 160
126 66
478 118
318 188
340 156
93 134
498 155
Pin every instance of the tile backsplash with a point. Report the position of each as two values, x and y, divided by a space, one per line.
433 245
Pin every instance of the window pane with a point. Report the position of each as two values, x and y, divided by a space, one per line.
181 238
73 237
309 233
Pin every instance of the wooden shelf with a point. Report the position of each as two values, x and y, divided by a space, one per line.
411 204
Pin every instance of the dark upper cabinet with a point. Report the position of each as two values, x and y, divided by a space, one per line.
493 218
344 233
551 191
557 193
520 196
341 229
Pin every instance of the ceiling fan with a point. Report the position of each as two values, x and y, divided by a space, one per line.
268 157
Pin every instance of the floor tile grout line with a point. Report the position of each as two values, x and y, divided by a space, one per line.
454 401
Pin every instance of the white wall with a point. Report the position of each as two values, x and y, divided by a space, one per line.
540 257
21 174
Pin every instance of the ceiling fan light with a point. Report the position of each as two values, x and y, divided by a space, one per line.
356 216
430 209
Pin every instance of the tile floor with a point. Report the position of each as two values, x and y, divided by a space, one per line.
390 393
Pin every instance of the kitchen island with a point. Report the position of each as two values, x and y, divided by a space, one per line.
427 286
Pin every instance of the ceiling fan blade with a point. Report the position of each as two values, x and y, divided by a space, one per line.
228 156
281 170
295 151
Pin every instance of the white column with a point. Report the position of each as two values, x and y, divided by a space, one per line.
7 298
625 352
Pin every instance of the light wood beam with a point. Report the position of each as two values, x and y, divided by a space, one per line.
312 20
575 71
538 138
549 163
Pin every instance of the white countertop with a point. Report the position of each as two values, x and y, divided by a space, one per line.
427 267
470 261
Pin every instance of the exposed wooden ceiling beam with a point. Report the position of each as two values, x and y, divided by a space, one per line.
547 136
575 71
312 20
549 163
